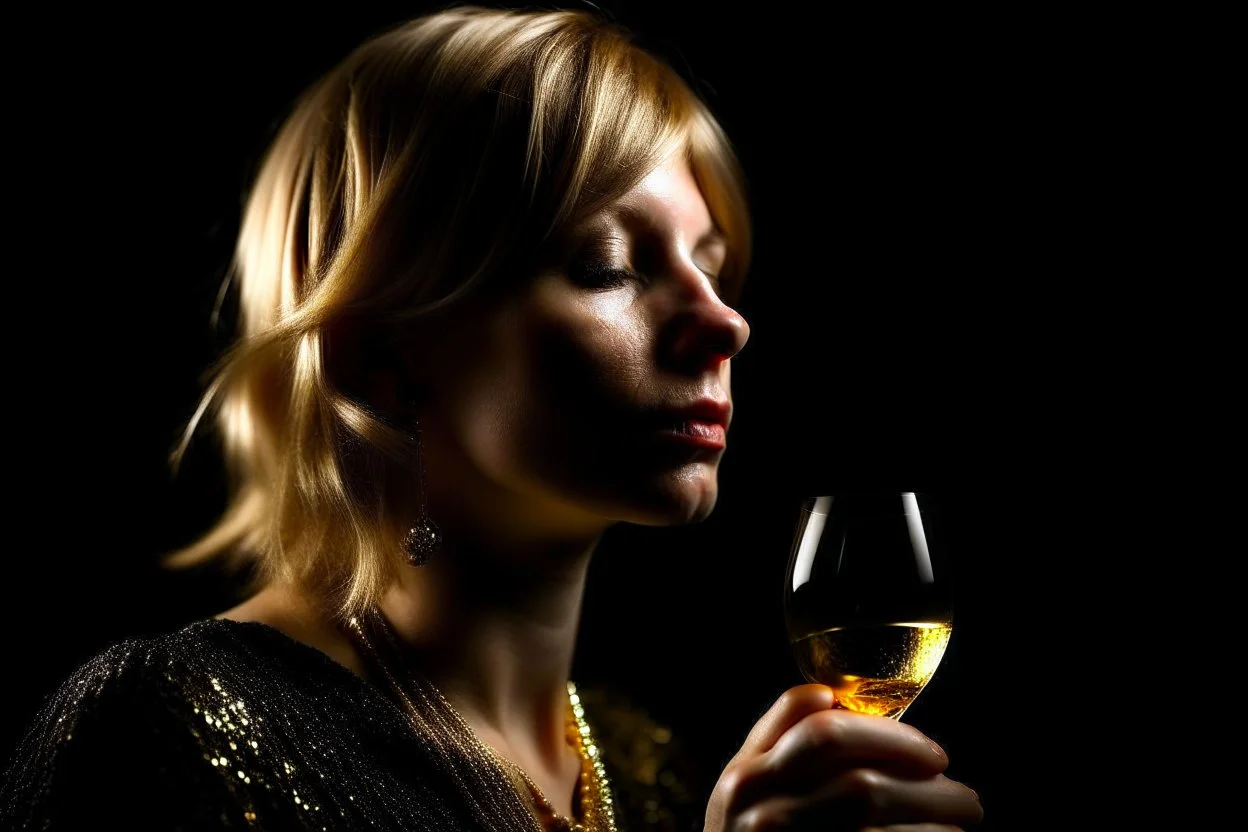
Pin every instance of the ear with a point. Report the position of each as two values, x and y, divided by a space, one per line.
368 366
408 355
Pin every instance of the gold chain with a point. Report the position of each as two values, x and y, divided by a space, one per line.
593 789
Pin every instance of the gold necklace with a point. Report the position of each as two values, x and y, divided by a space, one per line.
441 719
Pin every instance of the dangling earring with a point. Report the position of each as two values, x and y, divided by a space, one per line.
424 538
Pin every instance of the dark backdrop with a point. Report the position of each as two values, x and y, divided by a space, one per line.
906 176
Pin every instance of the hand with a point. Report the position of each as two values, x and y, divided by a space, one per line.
807 766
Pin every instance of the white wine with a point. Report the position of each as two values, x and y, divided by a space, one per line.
874 670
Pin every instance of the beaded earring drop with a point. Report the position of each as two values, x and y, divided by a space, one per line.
424 538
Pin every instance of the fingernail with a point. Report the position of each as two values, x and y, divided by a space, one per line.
975 793
940 752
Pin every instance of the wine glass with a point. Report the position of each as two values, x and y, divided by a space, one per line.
868 597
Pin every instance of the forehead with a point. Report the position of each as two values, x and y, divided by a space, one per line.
667 198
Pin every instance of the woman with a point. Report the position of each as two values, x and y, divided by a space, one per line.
485 278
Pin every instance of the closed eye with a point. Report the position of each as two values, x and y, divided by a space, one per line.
595 274
714 279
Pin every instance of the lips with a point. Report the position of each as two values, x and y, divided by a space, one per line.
703 424
710 411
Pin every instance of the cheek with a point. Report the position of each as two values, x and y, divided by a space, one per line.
548 385
552 402
590 364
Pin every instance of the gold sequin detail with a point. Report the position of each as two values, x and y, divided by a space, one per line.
223 724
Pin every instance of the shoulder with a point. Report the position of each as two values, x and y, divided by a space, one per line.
96 721
152 721
110 679
652 772
207 666
209 653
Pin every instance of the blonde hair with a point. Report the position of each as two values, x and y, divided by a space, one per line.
431 163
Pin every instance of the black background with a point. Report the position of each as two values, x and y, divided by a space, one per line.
920 187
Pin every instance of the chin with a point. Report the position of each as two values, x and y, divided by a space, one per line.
678 498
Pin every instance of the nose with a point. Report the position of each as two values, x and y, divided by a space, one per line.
705 331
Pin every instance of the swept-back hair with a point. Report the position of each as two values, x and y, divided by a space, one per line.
432 163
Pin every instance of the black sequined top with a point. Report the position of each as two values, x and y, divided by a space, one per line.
235 725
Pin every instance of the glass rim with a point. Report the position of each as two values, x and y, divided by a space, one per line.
809 503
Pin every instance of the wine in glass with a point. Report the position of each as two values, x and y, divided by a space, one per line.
868 597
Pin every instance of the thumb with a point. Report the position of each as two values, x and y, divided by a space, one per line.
790 708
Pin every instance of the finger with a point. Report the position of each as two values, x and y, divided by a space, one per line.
799 814
826 741
788 709
868 797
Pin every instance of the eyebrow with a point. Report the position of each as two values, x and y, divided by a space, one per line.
635 216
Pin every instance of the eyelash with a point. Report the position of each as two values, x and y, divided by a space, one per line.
597 275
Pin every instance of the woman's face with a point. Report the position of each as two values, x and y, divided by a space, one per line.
600 392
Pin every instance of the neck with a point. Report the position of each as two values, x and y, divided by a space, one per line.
496 632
